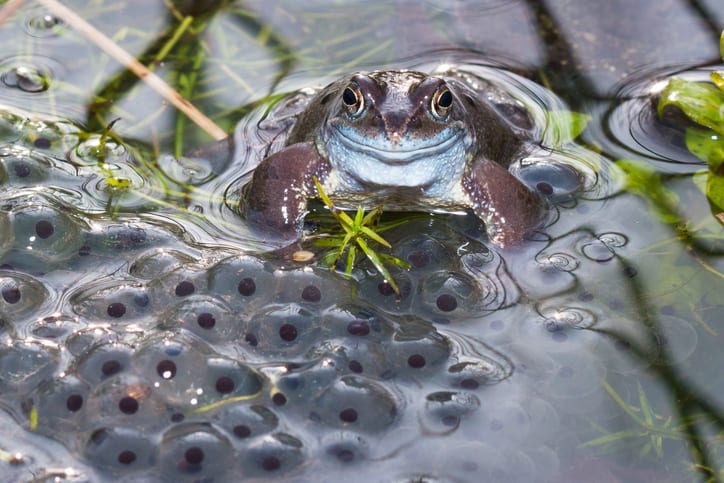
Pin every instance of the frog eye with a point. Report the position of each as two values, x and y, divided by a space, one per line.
353 99
441 102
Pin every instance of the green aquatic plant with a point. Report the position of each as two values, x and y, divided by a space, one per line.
356 233
703 103
651 431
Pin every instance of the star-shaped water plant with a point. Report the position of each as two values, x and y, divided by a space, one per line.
358 233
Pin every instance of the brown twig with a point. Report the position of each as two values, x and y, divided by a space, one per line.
129 62
8 10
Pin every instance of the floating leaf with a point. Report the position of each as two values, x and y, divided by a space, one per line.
701 102
715 193
563 126
709 147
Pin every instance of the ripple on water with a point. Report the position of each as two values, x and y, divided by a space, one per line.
632 126
42 24
27 76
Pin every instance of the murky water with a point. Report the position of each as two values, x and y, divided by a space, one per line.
146 336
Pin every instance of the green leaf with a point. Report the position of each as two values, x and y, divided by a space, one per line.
717 77
721 44
611 438
643 180
372 255
374 236
563 126
715 192
707 146
701 102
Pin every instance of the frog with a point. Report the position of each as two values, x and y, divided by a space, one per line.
402 140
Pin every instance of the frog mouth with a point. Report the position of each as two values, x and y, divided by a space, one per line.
405 151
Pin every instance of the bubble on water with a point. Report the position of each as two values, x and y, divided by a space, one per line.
26 77
43 24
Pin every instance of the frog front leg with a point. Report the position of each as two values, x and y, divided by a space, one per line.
276 198
508 208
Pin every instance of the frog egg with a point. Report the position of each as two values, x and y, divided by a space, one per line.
380 293
126 400
556 181
208 318
424 253
176 287
25 364
21 296
120 450
61 407
573 382
229 379
484 370
310 288
158 261
20 167
244 422
272 455
43 234
417 347
356 403
443 411
446 295
245 283
345 448
677 338
173 364
115 301
194 449
285 331
102 361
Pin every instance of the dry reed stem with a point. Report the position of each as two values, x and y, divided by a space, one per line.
130 62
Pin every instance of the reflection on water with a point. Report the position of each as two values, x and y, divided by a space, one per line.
141 334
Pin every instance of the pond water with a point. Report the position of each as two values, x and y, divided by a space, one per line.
148 335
